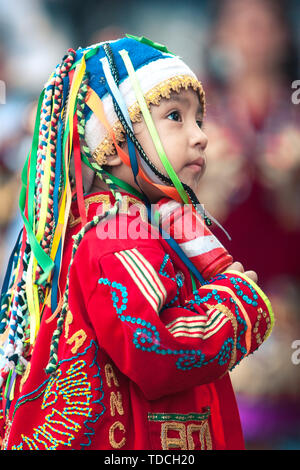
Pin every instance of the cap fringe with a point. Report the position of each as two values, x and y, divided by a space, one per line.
152 97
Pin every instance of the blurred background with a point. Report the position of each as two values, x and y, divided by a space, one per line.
246 53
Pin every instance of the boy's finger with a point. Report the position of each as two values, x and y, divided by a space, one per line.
252 274
237 266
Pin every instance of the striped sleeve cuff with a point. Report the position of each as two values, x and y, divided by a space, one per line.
256 307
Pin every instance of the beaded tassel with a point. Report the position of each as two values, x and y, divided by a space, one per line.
48 131
14 308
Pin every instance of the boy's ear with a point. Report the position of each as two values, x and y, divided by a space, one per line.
115 160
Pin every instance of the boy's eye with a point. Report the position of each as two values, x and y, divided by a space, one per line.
174 116
199 123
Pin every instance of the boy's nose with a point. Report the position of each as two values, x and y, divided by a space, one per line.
198 137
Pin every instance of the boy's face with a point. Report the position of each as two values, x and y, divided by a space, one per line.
178 121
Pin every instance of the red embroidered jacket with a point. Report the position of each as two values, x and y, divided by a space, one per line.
143 359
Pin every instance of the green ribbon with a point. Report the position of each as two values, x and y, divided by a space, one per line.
87 56
127 187
42 258
148 42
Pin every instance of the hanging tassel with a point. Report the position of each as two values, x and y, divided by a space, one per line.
218 224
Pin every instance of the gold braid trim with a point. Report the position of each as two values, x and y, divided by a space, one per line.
153 96
126 203
222 308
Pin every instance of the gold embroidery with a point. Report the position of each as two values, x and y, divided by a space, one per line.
116 404
258 338
107 146
255 330
168 442
98 198
104 198
172 423
79 338
68 321
222 308
204 436
261 313
112 440
101 159
57 427
239 304
25 376
269 326
30 442
110 374
138 204
164 90
153 96
124 208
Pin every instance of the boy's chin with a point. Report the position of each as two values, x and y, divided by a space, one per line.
194 183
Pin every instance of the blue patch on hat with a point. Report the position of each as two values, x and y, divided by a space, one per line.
140 54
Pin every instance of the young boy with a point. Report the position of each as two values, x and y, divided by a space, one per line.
117 341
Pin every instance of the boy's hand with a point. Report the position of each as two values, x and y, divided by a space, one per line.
237 266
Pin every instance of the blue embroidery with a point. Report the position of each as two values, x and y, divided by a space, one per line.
187 362
147 338
163 265
218 277
225 352
198 300
236 281
175 279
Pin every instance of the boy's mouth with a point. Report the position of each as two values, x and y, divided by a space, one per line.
197 165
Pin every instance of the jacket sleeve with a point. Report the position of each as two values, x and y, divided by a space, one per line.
166 345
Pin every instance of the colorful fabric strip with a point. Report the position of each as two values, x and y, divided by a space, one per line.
144 276
200 245
199 326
